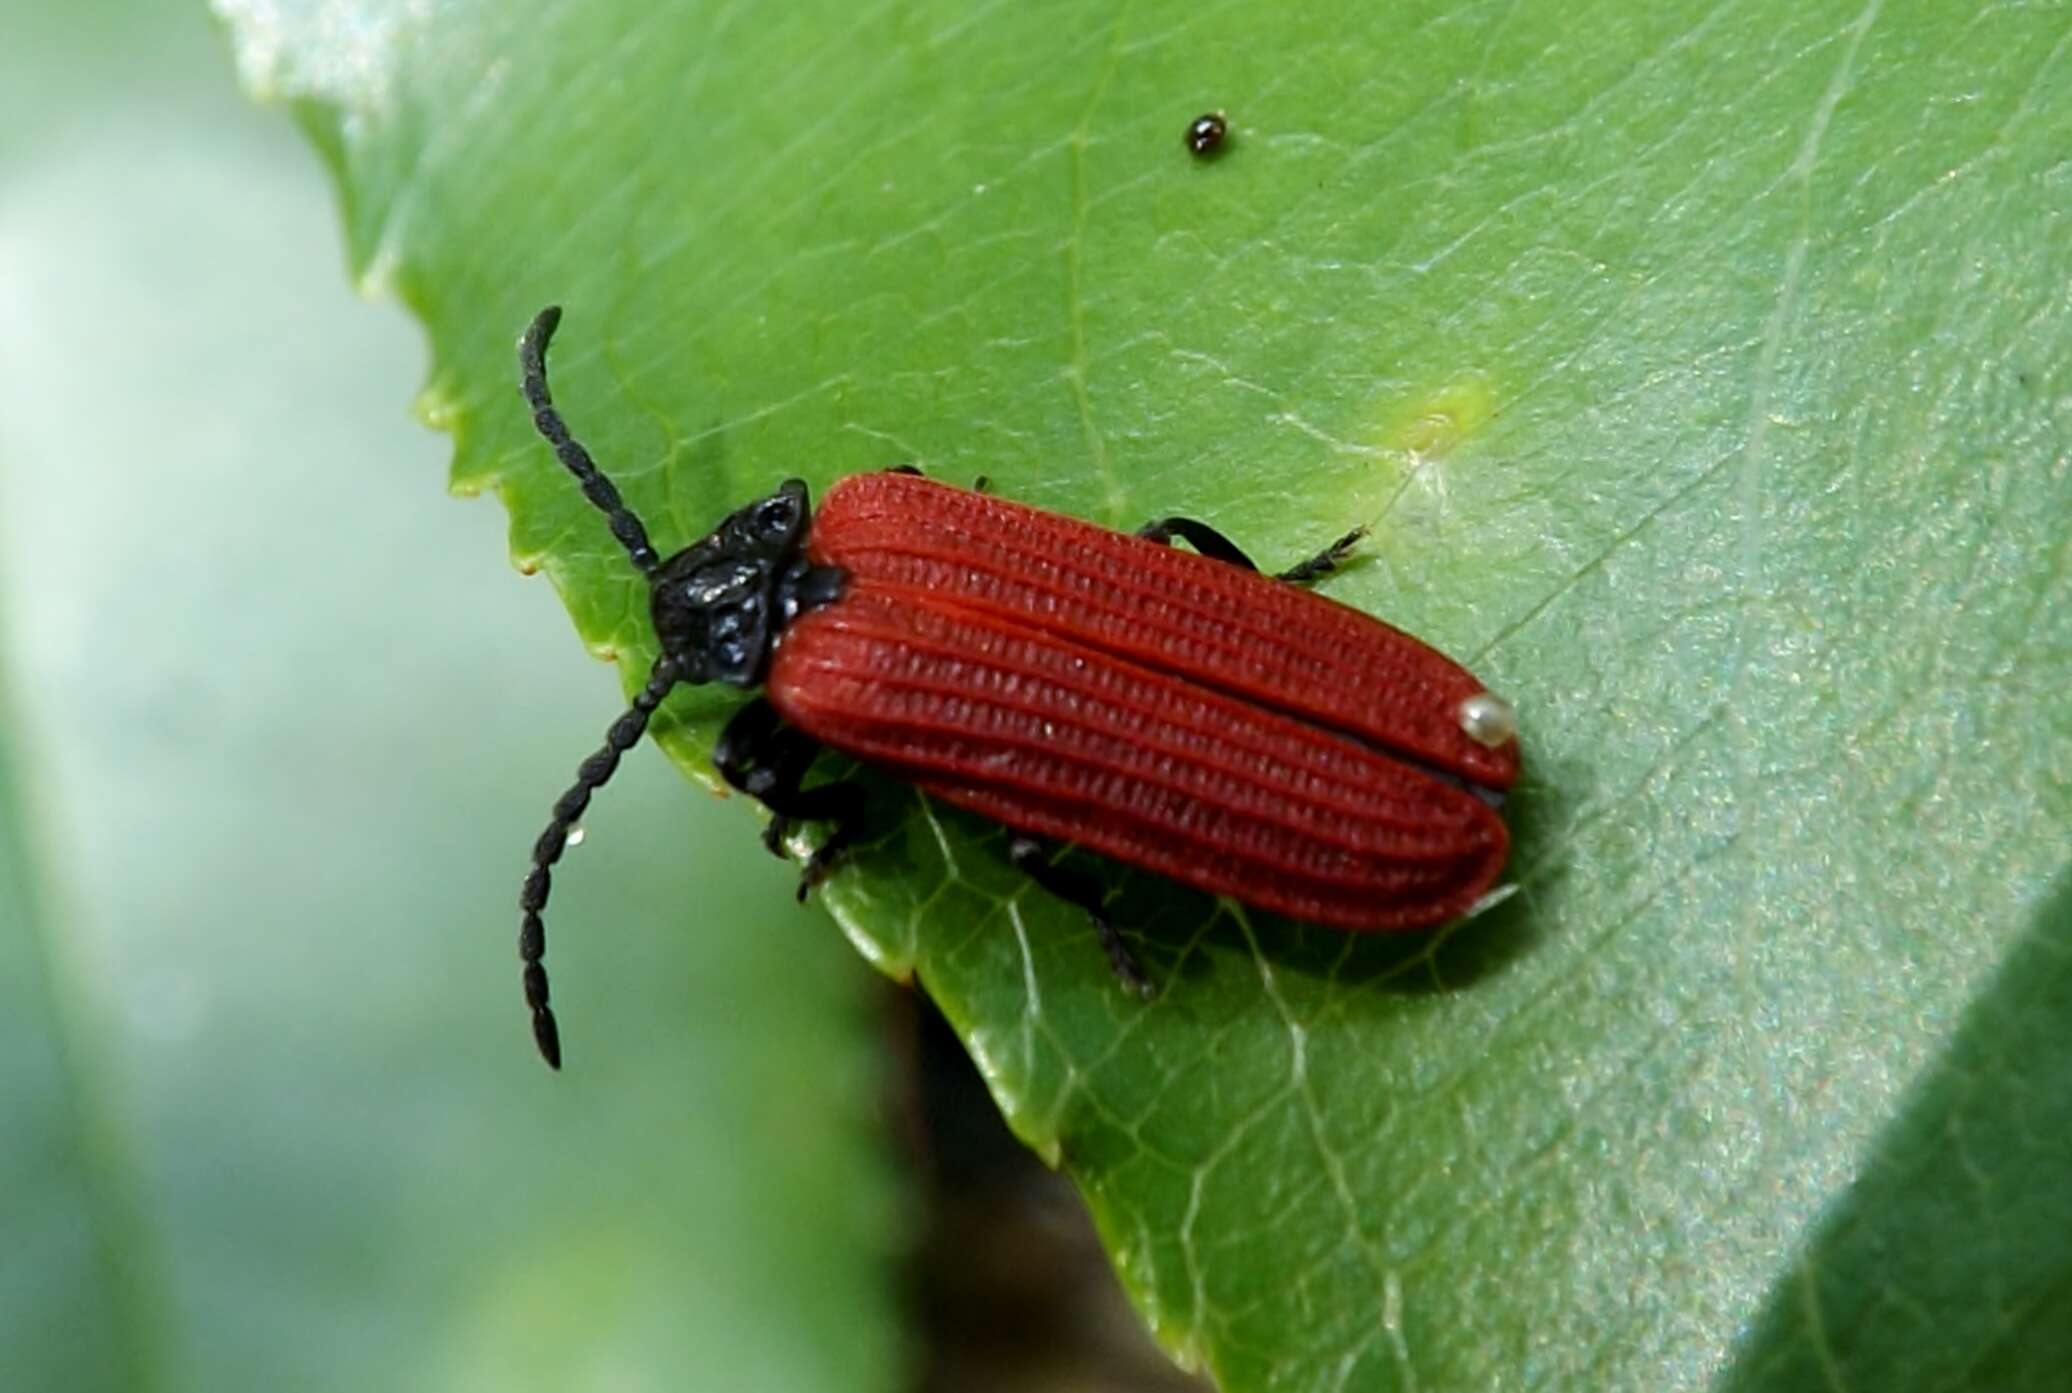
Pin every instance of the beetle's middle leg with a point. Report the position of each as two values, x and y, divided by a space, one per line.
1032 857
767 760
1213 544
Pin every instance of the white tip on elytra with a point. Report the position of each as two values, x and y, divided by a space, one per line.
1488 719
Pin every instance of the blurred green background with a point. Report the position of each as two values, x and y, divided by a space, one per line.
279 726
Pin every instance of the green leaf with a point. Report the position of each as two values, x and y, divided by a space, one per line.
1976 1162
1704 375
277 727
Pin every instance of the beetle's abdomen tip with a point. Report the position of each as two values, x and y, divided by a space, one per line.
1488 720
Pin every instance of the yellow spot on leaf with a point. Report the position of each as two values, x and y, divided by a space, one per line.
1442 420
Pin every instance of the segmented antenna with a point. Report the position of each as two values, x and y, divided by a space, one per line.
591 775
532 380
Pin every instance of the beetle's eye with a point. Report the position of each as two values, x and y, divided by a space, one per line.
774 515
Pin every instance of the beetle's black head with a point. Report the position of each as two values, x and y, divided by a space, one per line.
719 603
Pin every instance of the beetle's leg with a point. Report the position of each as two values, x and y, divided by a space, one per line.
754 755
839 804
1204 538
1031 856
743 746
981 484
758 754
786 756
1213 544
1324 562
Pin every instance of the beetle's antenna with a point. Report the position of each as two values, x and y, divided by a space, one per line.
591 775
532 370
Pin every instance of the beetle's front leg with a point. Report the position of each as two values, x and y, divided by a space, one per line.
767 760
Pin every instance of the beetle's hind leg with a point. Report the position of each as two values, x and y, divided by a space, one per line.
1213 544
1324 562
1032 857
767 760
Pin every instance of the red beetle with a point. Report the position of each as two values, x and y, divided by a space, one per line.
1175 711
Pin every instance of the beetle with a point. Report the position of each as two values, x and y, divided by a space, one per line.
1205 134
1176 711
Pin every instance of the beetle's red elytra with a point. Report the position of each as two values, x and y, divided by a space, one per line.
1216 726
1175 711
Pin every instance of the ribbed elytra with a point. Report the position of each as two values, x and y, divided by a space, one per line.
1177 711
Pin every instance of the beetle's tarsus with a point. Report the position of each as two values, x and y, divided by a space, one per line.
1325 561
822 863
1127 970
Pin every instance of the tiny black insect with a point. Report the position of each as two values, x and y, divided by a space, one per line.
1205 134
